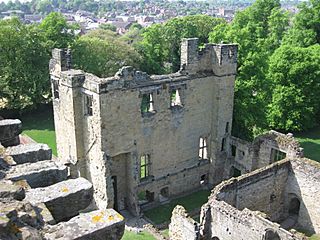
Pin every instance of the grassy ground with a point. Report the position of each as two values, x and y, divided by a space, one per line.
163 213
137 236
315 237
40 127
310 141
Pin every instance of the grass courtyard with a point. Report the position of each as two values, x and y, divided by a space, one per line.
40 127
163 213
137 236
310 141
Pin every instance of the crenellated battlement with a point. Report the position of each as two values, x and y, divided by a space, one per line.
221 59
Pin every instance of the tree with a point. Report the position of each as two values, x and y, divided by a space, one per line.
258 30
44 6
57 32
160 46
306 25
24 76
108 26
102 53
295 76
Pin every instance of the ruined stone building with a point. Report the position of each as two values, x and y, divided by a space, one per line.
275 202
142 139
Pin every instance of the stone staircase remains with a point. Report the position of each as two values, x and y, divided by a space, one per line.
39 201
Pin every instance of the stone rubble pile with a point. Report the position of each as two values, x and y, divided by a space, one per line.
38 200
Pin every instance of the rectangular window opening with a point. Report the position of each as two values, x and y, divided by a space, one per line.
147 103
175 99
203 148
277 155
144 166
88 105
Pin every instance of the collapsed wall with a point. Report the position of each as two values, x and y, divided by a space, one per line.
277 201
39 201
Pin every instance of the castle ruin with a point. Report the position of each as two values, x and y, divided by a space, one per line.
143 139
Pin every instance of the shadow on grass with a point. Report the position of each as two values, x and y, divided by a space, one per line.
40 119
39 125
190 202
311 150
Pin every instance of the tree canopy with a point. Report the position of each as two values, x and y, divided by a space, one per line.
102 53
160 45
24 76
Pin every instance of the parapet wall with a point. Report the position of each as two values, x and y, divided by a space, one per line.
221 59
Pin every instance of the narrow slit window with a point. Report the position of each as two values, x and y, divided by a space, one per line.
203 149
144 166
88 105
227 127
55 85
147 103
223 144
233 150
175 99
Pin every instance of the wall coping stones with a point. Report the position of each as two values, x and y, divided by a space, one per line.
100 224
31 152
49 171
64 199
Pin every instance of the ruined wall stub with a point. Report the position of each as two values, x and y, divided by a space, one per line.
269 201
115 128
264 150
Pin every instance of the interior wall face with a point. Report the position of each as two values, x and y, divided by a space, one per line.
304 184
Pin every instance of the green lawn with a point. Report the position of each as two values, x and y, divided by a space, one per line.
40 127
315 237
128 235
163 213
165 233
310 141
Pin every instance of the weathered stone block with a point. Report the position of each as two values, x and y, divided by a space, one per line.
39 174
100 224
9 132
64 199
19 214
32 152
9 190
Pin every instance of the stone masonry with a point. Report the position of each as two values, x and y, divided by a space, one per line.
142 139
36 195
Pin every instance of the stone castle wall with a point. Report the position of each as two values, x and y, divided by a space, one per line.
104 146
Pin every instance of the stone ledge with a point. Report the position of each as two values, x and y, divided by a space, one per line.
32 152
10 128
64 199
100 224
50 172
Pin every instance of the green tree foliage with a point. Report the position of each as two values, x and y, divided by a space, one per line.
160 46
295 76
108 26
57 32
44 6
102 53
258 30
24 77
306 25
